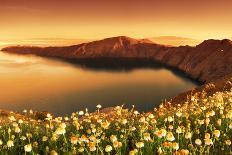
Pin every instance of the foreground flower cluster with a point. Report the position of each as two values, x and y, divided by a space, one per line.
200 126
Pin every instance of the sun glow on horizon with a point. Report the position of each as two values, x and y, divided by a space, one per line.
100 19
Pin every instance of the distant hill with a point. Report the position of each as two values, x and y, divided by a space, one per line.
175 41
208 61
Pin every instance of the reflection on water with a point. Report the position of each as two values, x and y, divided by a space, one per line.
60 87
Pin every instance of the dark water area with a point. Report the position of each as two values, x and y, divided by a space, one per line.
62 87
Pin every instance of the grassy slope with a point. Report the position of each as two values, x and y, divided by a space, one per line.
209 89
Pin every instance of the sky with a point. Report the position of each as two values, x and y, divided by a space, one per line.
94 19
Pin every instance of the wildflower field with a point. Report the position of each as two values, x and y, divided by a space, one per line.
202 125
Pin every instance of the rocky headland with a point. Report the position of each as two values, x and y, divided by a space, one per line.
206 62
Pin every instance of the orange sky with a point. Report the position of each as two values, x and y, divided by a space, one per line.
93 19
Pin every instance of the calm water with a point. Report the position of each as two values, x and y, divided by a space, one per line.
30 82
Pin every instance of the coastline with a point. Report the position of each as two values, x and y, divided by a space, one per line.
181 60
